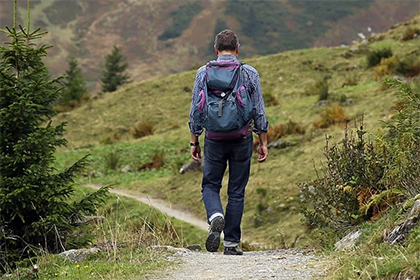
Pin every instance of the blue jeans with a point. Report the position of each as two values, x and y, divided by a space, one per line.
216 156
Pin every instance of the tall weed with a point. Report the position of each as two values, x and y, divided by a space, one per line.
362 179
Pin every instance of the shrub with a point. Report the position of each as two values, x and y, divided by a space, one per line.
158 160
330 116
270 99
386 67
410 33
278 131
112 160
351 79
410 67
374 57
142 129
181 19
363 179
319 88
352 174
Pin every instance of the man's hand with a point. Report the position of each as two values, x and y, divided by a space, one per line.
196 153
262 153
262 150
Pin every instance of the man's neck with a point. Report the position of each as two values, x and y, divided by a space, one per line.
227 52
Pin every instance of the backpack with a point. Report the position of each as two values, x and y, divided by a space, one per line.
224 108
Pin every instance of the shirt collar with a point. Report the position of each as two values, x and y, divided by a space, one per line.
226 57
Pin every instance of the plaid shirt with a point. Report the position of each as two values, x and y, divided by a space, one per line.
251 81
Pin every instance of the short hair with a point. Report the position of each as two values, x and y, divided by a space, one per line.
226 40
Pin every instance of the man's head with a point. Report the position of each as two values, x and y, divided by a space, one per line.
226 42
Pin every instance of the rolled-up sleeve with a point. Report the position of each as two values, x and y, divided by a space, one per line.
198 85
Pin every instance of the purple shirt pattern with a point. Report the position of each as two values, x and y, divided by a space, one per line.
250 79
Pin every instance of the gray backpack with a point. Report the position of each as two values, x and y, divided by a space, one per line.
224 108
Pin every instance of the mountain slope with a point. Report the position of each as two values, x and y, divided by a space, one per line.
89 29
286 77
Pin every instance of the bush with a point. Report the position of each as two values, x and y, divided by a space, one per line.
410 67
352 174
142 129
386 67
158 161
319 88
331 116
374 57
278 131
410 33
270 99
363 179
112 160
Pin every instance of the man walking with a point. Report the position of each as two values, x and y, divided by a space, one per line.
235 149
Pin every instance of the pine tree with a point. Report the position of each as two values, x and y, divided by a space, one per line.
113 75
74 84
35 212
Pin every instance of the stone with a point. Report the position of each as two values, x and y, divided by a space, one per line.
399 233
322 103
194 247
279 144
171 249
126 169
190 166
76 255
348 241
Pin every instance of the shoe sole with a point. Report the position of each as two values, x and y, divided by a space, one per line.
213 240
233 253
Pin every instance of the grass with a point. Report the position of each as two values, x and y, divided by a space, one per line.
374 259
125 237
269 222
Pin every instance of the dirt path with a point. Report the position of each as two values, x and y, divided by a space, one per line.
258 265
162 206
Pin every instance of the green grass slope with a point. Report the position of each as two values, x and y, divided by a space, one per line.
272 218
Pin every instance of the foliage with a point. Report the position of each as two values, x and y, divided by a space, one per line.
330 116
402 143
269 26
75 87
270 99
375 259
409 67
352 172
219 26
112 160
374 57
276 132
363 179
410 33
142 129
320 88
113 74
181 19
124 235
35 212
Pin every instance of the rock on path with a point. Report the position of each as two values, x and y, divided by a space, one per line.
256 265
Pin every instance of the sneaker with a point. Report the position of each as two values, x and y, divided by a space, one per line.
233 251
216 228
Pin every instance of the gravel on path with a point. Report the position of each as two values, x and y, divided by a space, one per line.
255 265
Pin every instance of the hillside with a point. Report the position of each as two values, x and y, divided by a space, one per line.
163 37
104 128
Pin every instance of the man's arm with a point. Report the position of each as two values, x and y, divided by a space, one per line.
262 149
